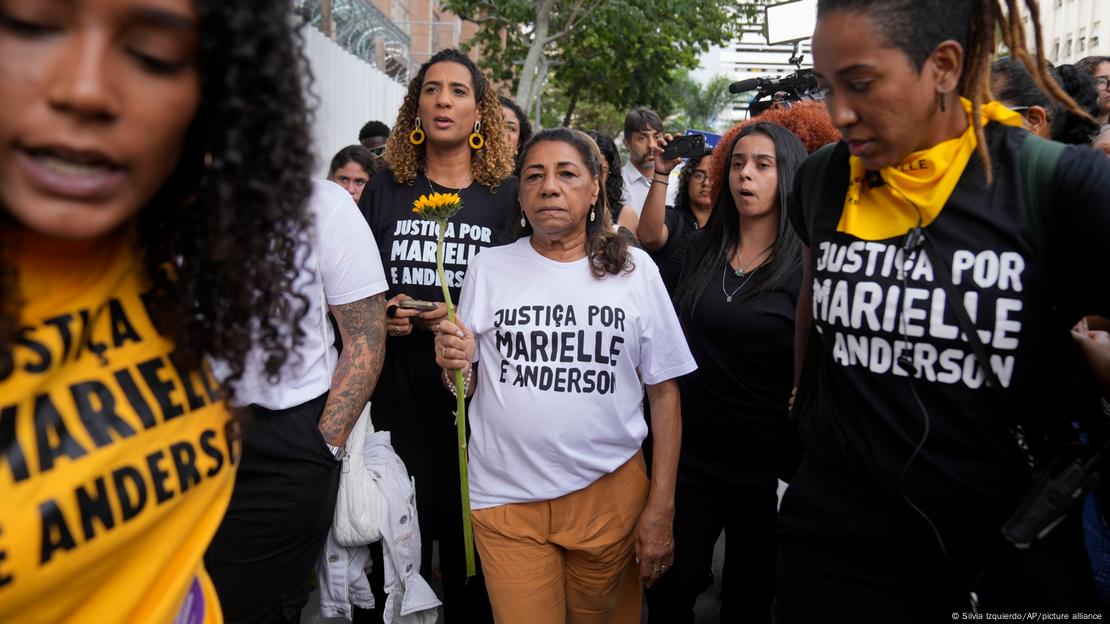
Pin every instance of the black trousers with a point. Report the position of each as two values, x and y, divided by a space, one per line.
712 496
850 552
265 550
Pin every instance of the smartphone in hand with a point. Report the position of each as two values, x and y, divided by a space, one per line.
416 304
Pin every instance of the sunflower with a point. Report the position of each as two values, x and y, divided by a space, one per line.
437 206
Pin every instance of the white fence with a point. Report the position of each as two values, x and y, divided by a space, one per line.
348 92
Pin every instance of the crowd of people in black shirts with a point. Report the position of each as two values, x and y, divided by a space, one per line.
887 301
726 215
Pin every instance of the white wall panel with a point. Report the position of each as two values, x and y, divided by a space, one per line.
347 92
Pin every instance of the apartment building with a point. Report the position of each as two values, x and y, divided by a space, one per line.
1073 29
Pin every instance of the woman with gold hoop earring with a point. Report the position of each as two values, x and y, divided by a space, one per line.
476 140
417 136
449 137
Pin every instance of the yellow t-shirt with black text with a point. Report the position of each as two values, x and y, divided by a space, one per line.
115 467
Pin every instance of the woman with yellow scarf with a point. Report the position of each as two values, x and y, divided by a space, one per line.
921 434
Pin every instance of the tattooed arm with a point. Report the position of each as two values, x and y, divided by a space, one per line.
362 326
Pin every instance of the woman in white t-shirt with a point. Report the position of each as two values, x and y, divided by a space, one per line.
561 327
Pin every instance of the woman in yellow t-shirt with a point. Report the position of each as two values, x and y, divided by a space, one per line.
153 167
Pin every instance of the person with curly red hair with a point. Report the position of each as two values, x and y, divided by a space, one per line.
808 120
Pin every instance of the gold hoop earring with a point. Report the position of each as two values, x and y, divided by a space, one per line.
476 139
417 136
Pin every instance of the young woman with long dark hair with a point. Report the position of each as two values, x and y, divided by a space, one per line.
736 298
150 203
922 222
449 137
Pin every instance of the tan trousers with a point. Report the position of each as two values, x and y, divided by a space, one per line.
568 560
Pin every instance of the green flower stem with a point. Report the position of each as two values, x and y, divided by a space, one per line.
460 411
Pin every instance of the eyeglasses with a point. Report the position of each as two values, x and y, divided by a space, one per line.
377 151
1025 110
1102 83
699 176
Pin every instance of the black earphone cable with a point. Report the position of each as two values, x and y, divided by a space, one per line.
910 247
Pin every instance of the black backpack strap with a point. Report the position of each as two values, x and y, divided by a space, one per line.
1038 159
813 184
953 300
817 189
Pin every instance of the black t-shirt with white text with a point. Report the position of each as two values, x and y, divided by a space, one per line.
864 418
408 243
409 384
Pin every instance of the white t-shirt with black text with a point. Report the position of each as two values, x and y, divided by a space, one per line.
343 250
557 404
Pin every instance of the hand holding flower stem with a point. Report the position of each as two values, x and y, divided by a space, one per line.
440 207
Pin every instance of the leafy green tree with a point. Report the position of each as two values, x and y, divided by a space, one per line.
635 49
516 35
621 52
701 104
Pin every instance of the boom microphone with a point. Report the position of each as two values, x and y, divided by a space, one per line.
750 84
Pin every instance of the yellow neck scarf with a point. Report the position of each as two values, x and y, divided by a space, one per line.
925 178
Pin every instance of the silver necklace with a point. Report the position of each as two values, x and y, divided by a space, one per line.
432 187
741 272
729 295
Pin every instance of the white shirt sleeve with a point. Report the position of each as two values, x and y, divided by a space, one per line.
664 353
626 193
469 306
349 258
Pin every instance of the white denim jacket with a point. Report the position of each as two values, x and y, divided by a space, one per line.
409 598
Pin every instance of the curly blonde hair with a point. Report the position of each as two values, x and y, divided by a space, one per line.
489 165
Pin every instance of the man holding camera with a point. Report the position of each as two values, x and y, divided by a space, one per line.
642 129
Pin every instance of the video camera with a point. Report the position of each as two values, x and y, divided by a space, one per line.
794 87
